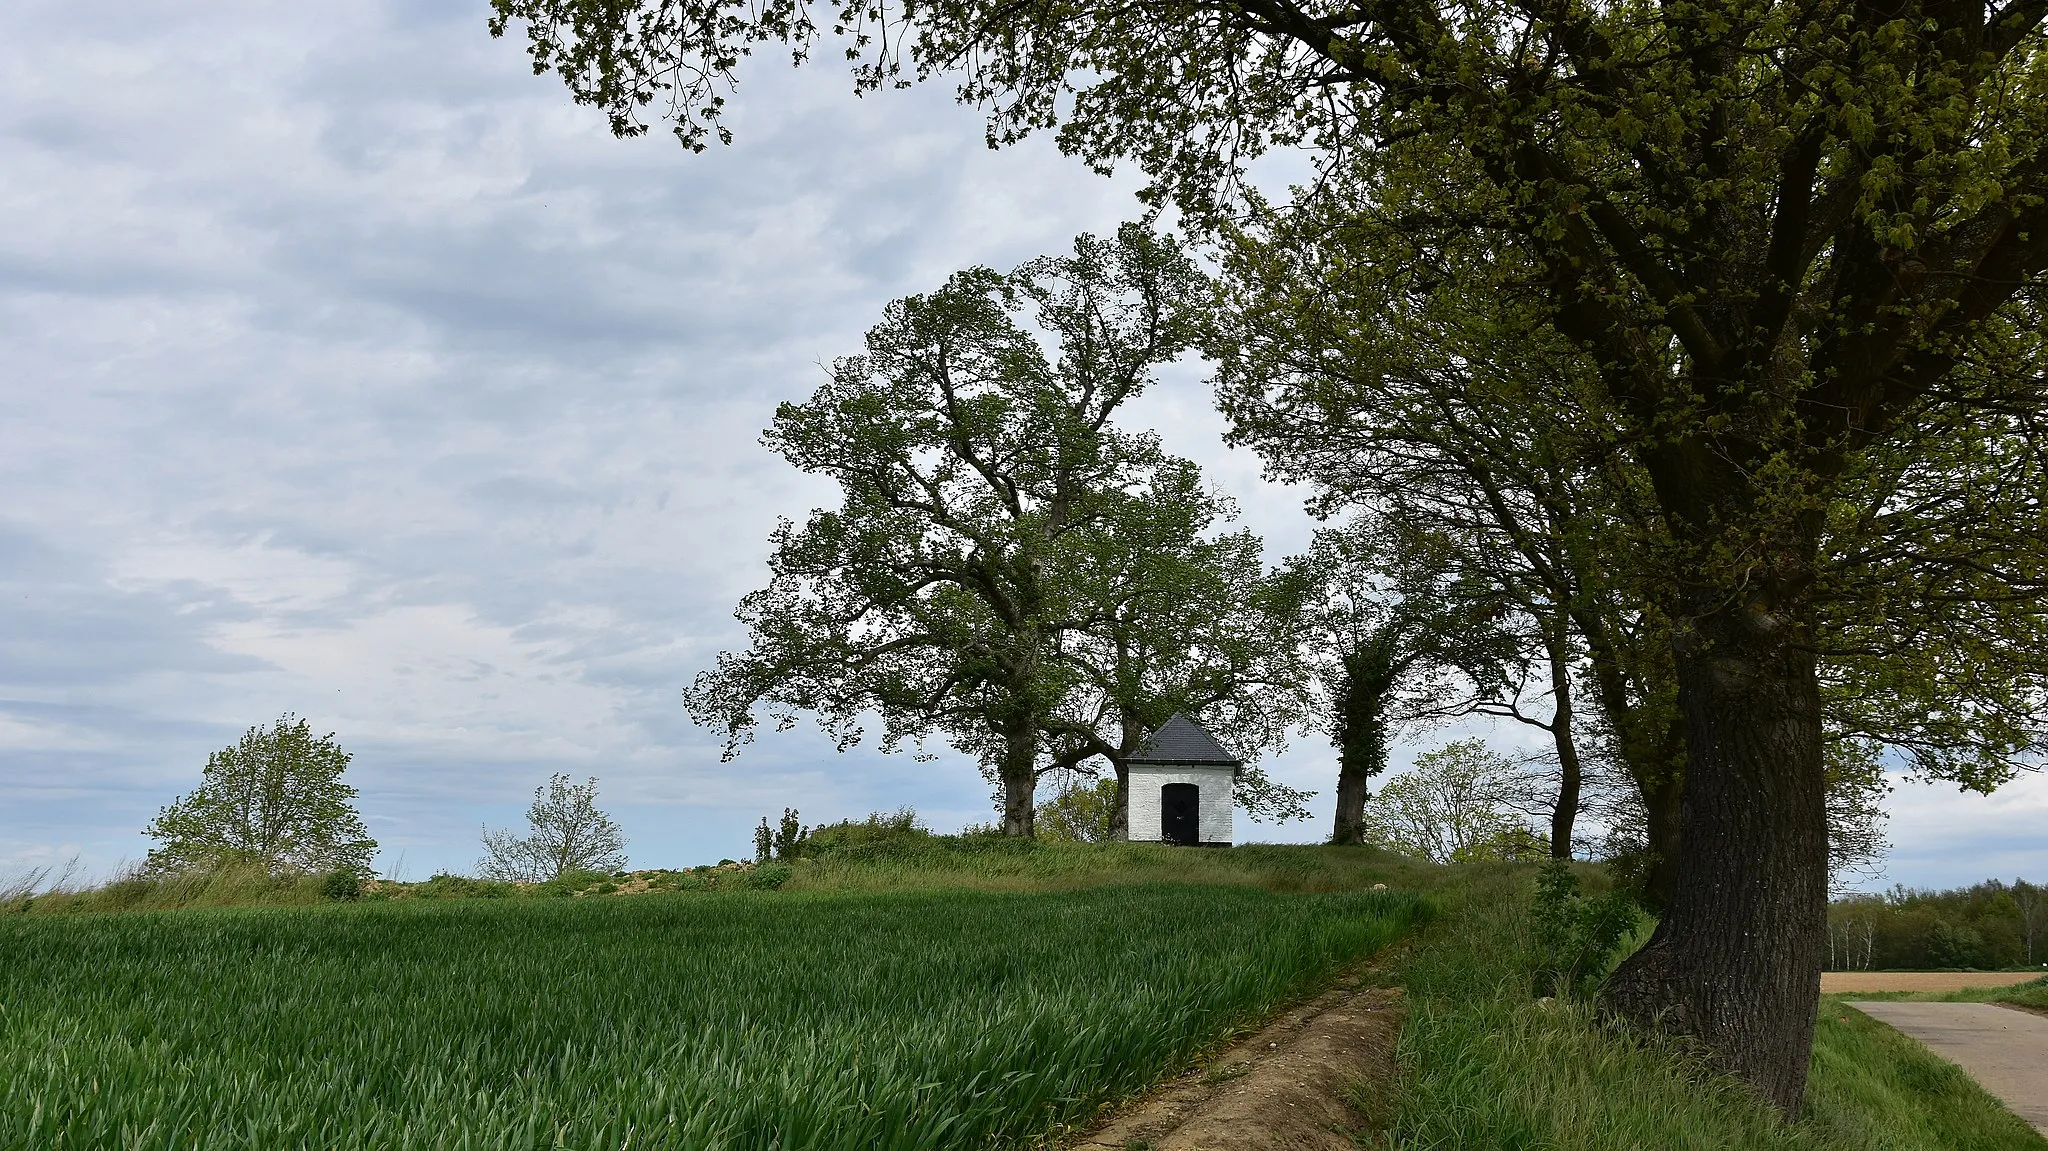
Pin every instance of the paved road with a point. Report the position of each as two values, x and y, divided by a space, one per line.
2004 1049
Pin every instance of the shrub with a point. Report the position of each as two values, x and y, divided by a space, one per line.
767 877
446 886
1575 935
896 828
342 886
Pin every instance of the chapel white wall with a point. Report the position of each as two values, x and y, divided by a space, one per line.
1215 816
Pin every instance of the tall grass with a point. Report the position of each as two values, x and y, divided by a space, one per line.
132 891
991 863
1488 1065
786 1020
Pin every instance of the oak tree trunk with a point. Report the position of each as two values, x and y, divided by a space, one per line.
1735 961
1353 789
1571 775
1663 791
1370 671
1018 773
1120 810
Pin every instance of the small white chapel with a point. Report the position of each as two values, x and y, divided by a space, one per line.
1180 786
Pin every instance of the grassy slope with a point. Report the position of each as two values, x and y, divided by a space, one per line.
1486 1065
791 1020
920 862
944 862
1490 1067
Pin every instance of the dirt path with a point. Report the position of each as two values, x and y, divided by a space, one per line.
2003 1049
1833 982
1282 1088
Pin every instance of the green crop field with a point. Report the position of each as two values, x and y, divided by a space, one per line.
788 1020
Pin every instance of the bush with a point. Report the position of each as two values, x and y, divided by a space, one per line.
767 877
1575 935
447 886
897 827
342 886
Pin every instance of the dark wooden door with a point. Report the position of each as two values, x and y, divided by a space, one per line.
1180 813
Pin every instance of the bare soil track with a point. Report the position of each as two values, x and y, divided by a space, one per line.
1832 982
1285 1088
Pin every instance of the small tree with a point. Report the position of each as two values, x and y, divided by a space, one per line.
789 834
274 800
1082 813
1454 806
568 834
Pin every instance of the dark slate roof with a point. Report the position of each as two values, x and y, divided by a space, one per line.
1182 740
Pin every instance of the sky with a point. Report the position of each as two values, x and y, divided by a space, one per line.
349 370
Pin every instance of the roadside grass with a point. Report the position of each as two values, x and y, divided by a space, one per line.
789 1020
1485 1064
1874 1087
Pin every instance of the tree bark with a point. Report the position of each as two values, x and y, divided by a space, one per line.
1120 813
1736 959
1662 784
1571 776
1352 792
1018 772
1370 670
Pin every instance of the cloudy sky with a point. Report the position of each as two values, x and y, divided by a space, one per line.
347 369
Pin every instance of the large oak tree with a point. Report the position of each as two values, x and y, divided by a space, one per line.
1792 239
1007 570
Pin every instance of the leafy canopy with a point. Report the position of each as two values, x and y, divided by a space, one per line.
565 833
274 799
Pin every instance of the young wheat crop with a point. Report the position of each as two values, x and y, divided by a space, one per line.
789 1021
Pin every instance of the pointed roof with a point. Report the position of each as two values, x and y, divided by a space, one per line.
1182 740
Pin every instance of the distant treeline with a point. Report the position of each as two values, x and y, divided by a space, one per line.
1989 925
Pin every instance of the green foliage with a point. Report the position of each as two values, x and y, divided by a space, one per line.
768 877
1986 925
1081 813
1008 569
1777 270
1451 807
444 885
273 801
879 828
789 835
1575 935
764 842
901 1021
566 834
1485 1066
342 886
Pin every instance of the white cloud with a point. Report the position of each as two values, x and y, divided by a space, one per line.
351 370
